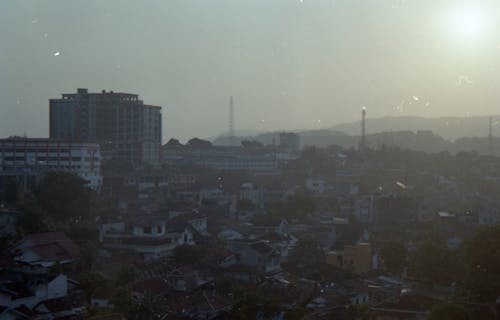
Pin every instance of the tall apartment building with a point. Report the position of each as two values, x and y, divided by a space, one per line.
27 159
126 128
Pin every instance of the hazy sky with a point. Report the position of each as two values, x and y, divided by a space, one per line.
290 64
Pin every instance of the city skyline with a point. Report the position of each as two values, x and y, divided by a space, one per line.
289 65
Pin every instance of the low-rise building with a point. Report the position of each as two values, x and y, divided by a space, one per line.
357 257
151 236
46 249
256 254
27 159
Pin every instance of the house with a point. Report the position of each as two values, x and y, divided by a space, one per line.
186 279
152 236
19 313
19 288
256 254
406 306
46 249
357 257
316 186
70 307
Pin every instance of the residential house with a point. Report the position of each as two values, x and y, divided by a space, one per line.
151 236
256 254
46 249
29 287
357 258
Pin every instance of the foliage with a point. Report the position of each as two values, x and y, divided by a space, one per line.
122 300
188 254
435 263
5 242
252 307
11 191
245 204
307 252
90 282
483 264
199 143
82 232
64 196
147 307
448 312
251 144
393 254
295 314
87 255
31 220
359 311
126 275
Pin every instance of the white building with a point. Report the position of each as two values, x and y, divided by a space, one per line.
153 237
28 158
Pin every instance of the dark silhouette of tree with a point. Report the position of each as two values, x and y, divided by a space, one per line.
64 196
31 219
148 307
126 275
90 282
307 252
199 143
298 206
122 300
173 143
188 254
251 144
435 263
482 260
11 191
393 255
448 312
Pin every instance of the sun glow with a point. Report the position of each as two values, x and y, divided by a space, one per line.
469 21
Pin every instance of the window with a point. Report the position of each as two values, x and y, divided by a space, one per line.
148 230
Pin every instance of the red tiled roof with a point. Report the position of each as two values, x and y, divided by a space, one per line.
58 238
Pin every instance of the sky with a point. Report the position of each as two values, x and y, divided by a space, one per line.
289 64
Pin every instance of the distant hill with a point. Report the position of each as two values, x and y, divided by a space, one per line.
453 134
450 128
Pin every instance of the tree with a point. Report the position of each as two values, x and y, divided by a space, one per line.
64 196
393 254
307 252
148 307
188 254
296 313
482 260
173 143
90 282
31 220
122 300
126 275
245 204
251 144
199 143
435 263
11 191
298 206
448 312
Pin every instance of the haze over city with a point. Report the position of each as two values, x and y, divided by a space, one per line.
289 64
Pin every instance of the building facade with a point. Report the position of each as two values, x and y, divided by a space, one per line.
126 128
26 159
